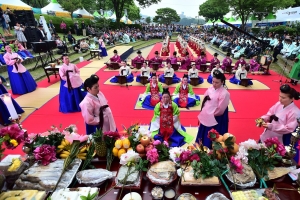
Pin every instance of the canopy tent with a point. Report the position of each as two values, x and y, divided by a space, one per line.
231 20
96 14
113 17
271 16
14 5
125 20
209 23
289 14
83 12
36 10
54 8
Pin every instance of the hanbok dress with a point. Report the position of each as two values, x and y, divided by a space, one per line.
124 71
23 52
71 89
152 96
165 125
194 74
200 61
239 63
97 114
139 59
254 65
185 97
5 115
281 121
185 63
155 60
20 79
226 63
239 74
172 60
210 77
214 62
102 48
169 73
144 72
214 113
295 71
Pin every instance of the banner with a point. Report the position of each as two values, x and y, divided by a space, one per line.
289 14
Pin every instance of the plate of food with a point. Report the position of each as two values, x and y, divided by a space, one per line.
162 173
186 196
260 194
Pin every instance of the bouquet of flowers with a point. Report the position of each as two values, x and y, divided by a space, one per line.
12 135
159 152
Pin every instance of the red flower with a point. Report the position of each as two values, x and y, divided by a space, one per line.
274 142
213 134
185 156
45 153
195 157
112 134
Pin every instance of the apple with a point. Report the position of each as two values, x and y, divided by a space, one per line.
145 140
140 148
149 147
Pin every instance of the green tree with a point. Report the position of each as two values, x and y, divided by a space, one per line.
148 20
70 6
37 3
213 10
133 12
166 16
244 8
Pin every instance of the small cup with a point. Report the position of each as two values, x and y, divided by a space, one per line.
157 193
169 193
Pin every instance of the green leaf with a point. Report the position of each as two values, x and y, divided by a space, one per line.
83 198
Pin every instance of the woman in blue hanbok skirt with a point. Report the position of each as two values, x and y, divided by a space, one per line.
210 77
102 47
169 72
123 71
240 74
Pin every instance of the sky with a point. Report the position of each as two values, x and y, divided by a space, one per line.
189 7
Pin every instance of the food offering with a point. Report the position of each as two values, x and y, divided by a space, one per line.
23 194
260 194
162 173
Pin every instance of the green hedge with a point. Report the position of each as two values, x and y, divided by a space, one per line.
281 29
255 30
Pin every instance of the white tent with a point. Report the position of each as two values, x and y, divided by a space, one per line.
82 12
53 6
14 5
113 17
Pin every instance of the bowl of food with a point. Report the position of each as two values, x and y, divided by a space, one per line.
52 65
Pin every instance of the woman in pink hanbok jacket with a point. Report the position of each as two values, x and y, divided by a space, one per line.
173 59
254 65
186 62
281 119
214 111
138 59
201 60
226 62
94 108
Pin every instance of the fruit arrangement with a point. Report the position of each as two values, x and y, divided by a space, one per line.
64 150
16 163
227 142
121 147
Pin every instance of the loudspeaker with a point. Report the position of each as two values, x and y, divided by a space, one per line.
51 44
39 47
25 17
31 35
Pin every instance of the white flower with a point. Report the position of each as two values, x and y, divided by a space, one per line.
242 155
251 144
129 157
144 132
175 153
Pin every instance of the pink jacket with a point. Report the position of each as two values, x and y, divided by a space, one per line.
219 101
74 75
90 110
8 60
102 43
287 121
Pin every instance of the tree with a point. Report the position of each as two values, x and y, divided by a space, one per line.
37 3
133 12
166 16
148 20
213 10
70 6
244 8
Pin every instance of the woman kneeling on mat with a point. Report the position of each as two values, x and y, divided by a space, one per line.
165 124
210 77
214 111
281 119
152 94
239 75
193 73
169 72
94 108
70 94
123 71
184 95
145 71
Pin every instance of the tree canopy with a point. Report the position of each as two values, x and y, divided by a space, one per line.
37 3
148 20
213 9
166 16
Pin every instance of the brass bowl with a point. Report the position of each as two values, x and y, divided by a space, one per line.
52 65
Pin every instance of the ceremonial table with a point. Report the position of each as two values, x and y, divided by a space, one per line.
200 192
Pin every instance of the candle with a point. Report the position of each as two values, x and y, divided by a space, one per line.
169 193
10 107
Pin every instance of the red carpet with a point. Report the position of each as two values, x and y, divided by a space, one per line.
249 105
157 47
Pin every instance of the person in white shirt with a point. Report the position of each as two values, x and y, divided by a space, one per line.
210 77
193 73
123 71
169 72
145 71
239 75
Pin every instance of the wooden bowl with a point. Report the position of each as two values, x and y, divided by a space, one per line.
52 65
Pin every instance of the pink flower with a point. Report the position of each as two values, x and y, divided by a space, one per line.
166 143
195 157
236 164
185 156
75 136
45 134
156 142
274 142
152 155
112 134
45 154
12 132
32 135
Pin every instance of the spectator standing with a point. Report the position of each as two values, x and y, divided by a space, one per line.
83 28
63 27
76 26
52 27
20 35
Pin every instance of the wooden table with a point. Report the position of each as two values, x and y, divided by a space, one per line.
200 192
95 53
53 70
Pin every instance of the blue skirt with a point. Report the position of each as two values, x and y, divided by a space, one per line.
209 79
129 79
221 127
237 81
176 139
3 109
91 129
138 79
175 79
2 59
147 103
200 80
287 140
21 83
103 52
191 101
69 101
